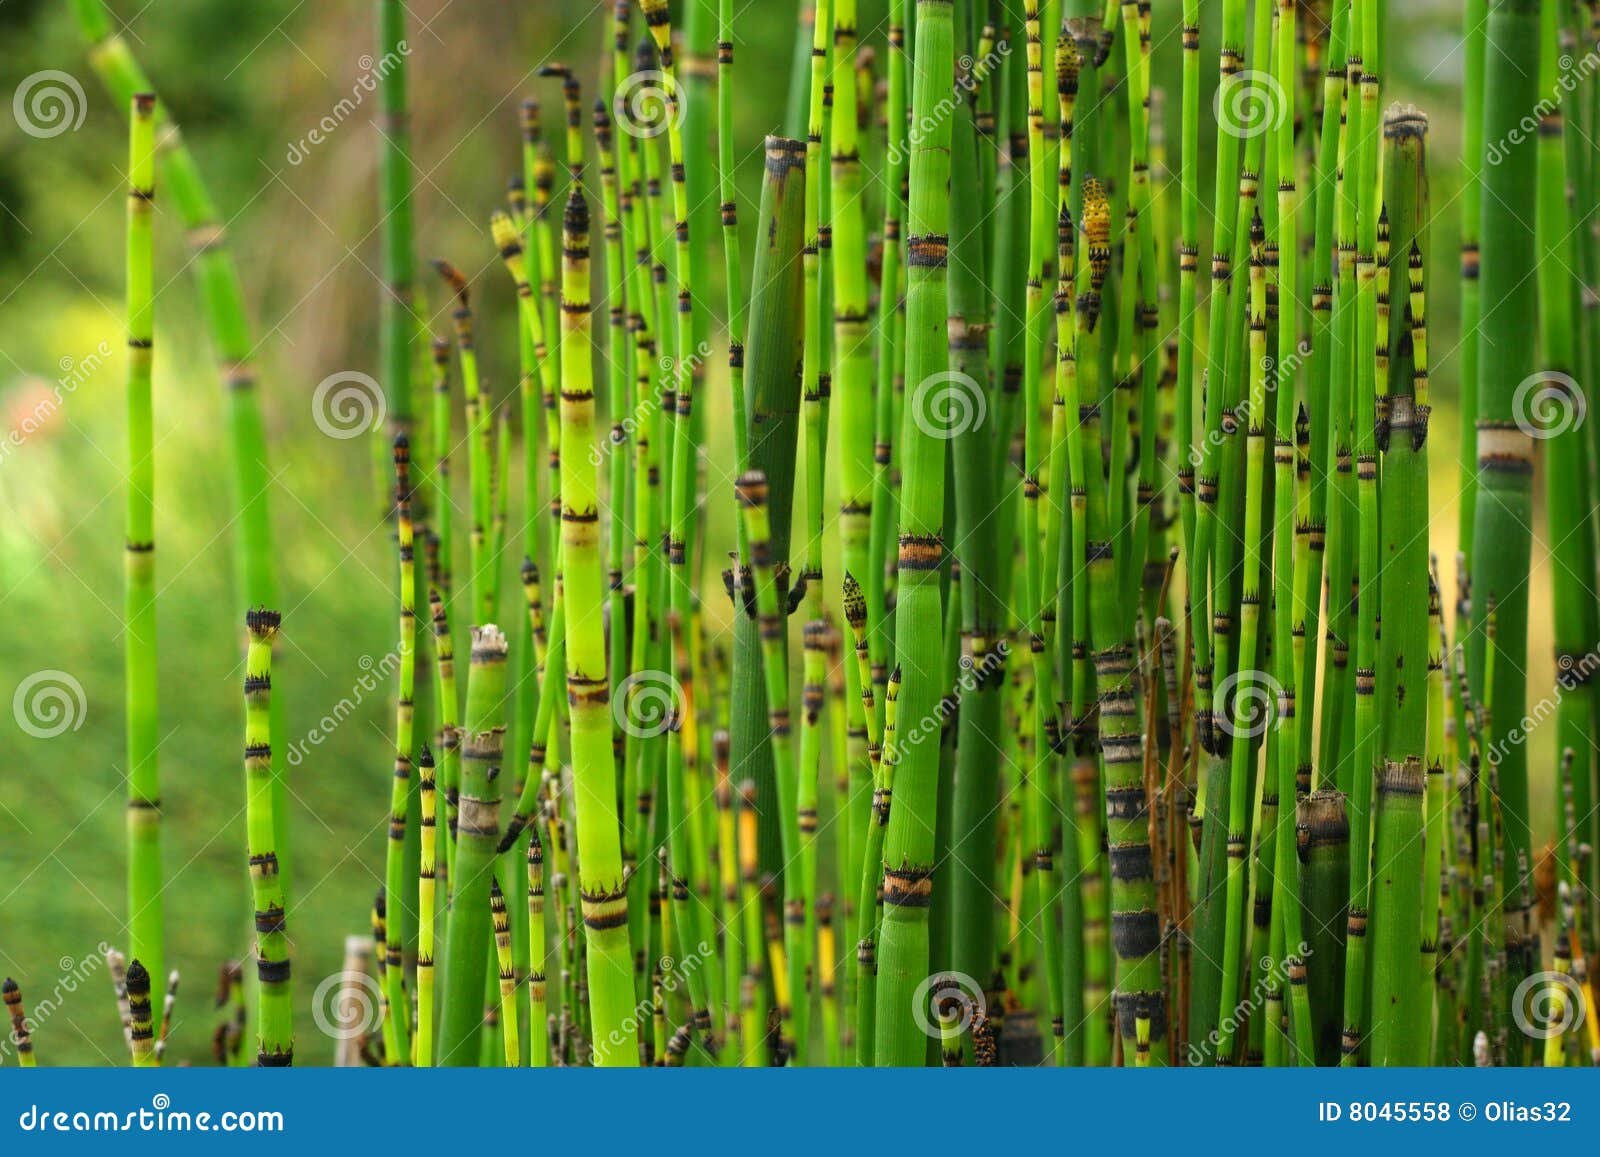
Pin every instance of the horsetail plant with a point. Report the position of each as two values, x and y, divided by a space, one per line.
20 1034
919 638
234 344
145 921
1288 822
397 1030
477 832
427 904
601 885
275 1016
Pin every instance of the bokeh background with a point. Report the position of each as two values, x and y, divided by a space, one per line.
248 83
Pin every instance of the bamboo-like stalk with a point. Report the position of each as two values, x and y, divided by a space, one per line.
752 1002
1310 621
1474 45
1398 1019
919 640
538 1034
141 1033
966 891
681 527
396 1027
275 1016
500 921
891 340
1039 602
1239 726
449 734
1503 515
1398 1011
443 442
1559 405
601 885
853 388
1287 658
21 1037
427 903
1065 575
1322 837
1205 992
855 613
816 383
234 347
1365 746
754 496
1436 946
774 353
1188 272
146 932
399 321
808 775
733 928
477 835
478 437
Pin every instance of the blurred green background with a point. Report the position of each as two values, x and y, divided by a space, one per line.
247 82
